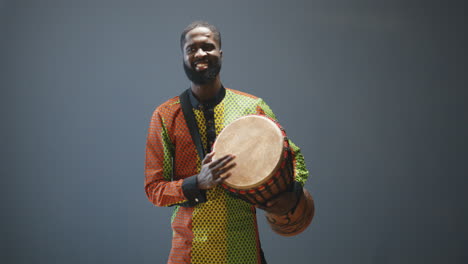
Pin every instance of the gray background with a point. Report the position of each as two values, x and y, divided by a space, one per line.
372 91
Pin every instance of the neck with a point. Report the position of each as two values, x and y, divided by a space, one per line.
205 92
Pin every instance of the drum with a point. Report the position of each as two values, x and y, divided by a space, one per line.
263 157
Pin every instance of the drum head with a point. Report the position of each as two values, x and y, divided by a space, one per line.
257 143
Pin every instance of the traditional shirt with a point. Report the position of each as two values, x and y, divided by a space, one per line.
208 226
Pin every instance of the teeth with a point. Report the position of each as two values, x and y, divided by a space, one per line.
201 66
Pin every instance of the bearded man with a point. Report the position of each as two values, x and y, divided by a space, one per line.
210 225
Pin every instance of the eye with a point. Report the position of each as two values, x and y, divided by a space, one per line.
190 49
208 47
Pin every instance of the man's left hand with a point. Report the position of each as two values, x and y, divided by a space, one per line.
280 205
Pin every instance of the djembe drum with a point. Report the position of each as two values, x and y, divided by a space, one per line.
263 157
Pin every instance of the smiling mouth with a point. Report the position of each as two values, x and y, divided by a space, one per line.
201 66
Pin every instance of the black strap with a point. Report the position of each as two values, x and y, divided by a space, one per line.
191 122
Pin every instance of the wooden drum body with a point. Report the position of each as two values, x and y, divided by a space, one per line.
263 157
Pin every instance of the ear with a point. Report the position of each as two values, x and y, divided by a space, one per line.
221 53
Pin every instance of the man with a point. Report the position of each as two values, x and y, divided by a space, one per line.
209 225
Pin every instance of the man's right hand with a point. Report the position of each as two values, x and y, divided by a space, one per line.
215 172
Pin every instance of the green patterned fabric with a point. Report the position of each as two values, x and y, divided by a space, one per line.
224 228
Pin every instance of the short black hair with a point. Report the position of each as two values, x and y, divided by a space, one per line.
195 24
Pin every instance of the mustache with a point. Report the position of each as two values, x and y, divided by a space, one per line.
195 62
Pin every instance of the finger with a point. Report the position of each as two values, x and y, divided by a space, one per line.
208 158
221 171
225 176
221 160
272 203
218 164
222 178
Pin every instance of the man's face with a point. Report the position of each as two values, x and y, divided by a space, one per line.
202 56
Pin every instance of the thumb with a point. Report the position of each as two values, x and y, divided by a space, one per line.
208 158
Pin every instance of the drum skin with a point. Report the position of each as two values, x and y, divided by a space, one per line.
264 161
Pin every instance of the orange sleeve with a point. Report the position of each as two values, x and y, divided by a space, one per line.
159 187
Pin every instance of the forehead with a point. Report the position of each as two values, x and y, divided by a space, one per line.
199 34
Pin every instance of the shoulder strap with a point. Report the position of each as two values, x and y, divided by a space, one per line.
191 122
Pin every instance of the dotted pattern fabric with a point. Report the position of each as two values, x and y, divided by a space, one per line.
223 229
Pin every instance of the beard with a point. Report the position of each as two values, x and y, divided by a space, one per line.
205 76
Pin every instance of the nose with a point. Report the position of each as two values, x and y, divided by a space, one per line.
200 53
